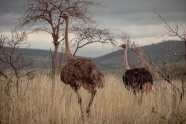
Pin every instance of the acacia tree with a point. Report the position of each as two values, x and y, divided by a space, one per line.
13 61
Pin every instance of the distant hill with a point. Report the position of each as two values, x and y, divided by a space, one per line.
114 60
36 52
157 53
40 58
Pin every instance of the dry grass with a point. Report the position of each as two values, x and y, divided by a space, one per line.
112 105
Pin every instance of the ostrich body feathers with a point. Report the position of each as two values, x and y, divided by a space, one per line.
82 72
137 78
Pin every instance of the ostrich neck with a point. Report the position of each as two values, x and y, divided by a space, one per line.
126 60
68 52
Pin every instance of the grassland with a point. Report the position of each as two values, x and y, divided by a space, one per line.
112 105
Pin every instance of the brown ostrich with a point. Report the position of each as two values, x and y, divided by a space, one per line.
139 79
80 72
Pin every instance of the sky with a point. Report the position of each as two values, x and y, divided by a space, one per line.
135 17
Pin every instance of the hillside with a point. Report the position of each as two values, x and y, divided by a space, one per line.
41 58
114 60
157 53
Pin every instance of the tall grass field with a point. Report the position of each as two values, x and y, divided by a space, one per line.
113 104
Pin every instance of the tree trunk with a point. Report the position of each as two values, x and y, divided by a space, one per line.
54 59
183 78
185 56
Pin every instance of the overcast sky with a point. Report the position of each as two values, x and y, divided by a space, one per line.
135 17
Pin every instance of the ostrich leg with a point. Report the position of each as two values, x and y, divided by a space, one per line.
79 101
93 92
141 98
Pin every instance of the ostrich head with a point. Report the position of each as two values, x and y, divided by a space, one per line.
65 15
124 46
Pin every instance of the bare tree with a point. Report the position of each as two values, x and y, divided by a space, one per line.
13 61
177 30
88 33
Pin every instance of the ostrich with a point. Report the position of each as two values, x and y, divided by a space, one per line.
80 72
139 79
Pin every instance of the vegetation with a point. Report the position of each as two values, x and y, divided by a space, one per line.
13 59
178 31
113 104
172 70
